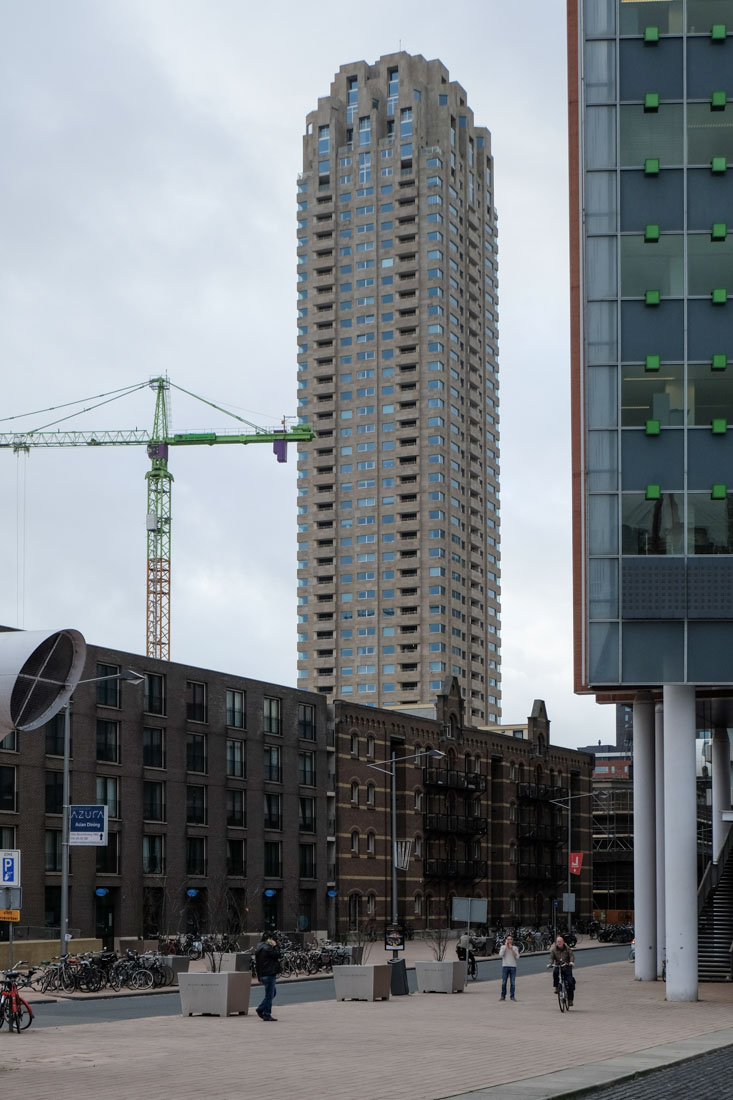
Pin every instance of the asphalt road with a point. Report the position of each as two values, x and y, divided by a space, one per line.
71 1010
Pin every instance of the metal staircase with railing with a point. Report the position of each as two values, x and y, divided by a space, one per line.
715 919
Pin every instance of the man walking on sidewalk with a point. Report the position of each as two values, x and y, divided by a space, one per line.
267 964
509 955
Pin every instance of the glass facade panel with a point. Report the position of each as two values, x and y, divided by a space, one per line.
709 134
709 524
603 663
709 394
600 202
600 137
601 319
602 459
603 524
655 265
602 397
652 395
652 526
702 14
653 653
601 267
600 72
709 264
636 15
643 70
603 588
599 17
651 134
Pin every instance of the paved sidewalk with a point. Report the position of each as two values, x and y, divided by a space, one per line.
422 1047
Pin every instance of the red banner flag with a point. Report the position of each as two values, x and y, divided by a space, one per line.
576 863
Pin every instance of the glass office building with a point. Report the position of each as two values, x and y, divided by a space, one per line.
651 180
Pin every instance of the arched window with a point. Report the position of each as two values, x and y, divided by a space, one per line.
370 747
355 744
417 908
370 794
417 847
512 811
468 763
512 772
371 842
355 793
428 908
355 842
418 798
371 904
512 853
354 911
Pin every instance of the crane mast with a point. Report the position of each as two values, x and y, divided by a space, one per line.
158 524
159 482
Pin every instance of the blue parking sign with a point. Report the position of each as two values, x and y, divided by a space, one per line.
9 867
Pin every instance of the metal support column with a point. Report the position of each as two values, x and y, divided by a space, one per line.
680 842
721 788
645 874
659 830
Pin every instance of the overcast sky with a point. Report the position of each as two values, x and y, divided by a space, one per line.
147 213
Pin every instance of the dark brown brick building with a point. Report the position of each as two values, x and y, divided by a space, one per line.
216 788
481 819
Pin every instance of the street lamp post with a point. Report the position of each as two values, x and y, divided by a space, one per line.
567 803
134 678
392 773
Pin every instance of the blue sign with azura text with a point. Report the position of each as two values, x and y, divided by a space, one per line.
87 824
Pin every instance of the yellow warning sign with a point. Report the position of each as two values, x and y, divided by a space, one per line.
10 914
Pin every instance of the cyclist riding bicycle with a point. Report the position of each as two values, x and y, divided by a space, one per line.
464 949
562 956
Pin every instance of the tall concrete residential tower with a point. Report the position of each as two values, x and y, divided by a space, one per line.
398 537
651 149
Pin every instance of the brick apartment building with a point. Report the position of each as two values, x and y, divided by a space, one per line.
481 820
215 785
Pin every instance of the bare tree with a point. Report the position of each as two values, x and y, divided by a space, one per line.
437 939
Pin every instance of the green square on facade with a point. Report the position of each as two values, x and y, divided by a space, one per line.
651 166
651 34
651 101
720 361
719 164
654 492
720 426
719 231
720 296
651 233
652 297
718 492
652 427
718 101
717 33
652 362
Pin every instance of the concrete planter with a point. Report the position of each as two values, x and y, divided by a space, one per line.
362 983
440 977
215 994
238 961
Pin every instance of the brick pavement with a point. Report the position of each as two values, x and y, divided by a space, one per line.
423 1047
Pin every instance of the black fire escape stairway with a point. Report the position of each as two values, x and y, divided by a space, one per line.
715 919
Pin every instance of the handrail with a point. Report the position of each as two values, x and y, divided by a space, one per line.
713 873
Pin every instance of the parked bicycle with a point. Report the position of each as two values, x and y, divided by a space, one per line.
14 1011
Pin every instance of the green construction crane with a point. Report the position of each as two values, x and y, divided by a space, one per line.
159 482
